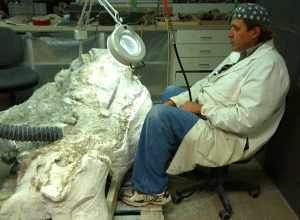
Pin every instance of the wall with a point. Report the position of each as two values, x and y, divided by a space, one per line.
54 51
282 157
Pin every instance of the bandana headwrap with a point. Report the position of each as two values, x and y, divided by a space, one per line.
253 12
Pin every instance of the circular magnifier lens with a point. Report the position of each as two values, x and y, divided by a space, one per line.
129 44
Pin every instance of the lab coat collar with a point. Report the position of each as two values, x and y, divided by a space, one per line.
249 51
262 49
256 54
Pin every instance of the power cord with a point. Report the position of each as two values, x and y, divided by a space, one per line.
170 29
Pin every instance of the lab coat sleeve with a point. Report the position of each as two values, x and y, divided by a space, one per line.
262 92
184 97
195 89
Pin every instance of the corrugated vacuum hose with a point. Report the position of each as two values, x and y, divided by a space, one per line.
27 133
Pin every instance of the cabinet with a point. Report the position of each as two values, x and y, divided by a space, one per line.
200 52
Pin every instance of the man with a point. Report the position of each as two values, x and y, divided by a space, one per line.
240 105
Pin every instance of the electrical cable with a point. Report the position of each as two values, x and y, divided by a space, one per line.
170 27
182 71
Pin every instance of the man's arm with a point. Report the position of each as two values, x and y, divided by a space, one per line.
189 106
170 102
182 98
195 108
262 94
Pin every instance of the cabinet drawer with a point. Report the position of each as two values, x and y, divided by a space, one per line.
192 78
203 50
201 63
202 36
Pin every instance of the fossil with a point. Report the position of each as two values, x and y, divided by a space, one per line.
100 105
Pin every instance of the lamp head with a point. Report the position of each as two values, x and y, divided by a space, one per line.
126 46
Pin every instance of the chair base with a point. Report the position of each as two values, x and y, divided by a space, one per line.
217 184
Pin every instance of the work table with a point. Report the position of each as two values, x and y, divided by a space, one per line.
200 48
100 28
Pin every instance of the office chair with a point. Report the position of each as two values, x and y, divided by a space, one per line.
14 74
216 182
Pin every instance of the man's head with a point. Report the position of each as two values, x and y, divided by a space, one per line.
250 25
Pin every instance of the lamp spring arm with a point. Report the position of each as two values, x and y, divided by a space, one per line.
110 9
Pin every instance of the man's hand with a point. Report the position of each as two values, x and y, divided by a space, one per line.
192 107
169 102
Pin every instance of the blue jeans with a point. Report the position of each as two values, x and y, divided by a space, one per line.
163 130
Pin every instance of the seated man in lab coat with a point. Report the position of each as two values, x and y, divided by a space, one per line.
240 105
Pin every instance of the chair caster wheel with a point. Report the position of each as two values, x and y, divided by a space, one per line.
254 193
176 198
224 215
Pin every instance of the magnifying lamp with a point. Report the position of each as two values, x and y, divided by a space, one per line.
125 45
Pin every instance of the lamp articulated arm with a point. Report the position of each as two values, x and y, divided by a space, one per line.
85 13
111 10
124 44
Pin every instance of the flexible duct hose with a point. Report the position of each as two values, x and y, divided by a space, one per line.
26 133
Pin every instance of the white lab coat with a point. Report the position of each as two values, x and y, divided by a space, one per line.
246 102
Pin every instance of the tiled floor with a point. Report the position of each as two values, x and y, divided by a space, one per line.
203 206
270 205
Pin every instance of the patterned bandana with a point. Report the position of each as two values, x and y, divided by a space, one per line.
253 12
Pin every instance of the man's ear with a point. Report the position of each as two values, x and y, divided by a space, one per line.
256 31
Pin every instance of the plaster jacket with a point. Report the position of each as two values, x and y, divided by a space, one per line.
243 105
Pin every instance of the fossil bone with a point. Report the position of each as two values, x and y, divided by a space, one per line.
101 107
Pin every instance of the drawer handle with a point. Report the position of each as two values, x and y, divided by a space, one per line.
203 64
205 51
206 37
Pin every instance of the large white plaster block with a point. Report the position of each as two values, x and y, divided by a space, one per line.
101 106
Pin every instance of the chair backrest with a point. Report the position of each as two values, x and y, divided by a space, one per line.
11 47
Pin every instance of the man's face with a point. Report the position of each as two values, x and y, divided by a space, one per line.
240 37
